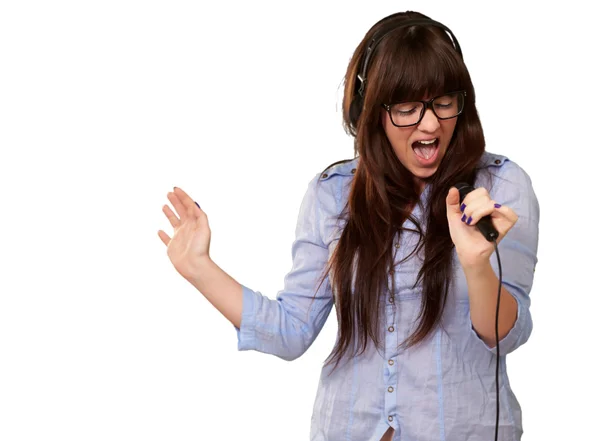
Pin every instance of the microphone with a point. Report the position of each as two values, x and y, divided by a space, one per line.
485 223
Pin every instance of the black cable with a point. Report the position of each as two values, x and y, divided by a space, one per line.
498 340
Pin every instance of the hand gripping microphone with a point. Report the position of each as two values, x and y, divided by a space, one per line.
491 234
485 223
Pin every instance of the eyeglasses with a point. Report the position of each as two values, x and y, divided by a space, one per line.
410 113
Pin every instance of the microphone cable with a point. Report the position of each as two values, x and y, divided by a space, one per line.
486 227
497 339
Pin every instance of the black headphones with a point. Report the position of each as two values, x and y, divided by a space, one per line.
357 100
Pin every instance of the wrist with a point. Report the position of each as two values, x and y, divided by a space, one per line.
477 267
200 271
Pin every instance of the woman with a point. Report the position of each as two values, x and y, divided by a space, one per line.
385 238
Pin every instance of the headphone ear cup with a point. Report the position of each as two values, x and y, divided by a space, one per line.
355 109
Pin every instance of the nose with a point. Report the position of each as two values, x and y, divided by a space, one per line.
429 123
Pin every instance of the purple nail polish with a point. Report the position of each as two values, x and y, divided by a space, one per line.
497 205
197 204
469 221
463 218
462 207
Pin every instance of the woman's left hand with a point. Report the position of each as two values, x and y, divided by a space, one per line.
472 248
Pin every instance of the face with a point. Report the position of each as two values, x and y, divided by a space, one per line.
403 141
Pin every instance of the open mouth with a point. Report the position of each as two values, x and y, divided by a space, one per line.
426 150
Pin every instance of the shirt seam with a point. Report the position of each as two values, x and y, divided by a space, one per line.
438 343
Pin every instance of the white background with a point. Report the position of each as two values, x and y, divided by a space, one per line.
106 105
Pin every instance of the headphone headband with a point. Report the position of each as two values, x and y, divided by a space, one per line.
362 75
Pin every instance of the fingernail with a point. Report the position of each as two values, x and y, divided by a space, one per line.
497 205
462 207
463 218
197 204
469 221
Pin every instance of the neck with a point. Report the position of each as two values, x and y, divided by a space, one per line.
420 185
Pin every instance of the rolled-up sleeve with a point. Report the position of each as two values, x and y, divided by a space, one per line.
518 250
288 325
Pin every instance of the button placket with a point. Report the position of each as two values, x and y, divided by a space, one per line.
391 346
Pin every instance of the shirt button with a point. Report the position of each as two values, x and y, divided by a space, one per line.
397 245
324 175
391 300
497 161
353 170
390 389
390 418
391 272
391 329
391 362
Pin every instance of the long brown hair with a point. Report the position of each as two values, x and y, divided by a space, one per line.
409 63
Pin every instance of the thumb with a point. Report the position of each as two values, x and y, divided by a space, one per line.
453 201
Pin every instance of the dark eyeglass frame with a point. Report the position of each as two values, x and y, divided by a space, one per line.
426 105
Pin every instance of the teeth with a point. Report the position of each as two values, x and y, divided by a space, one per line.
428 142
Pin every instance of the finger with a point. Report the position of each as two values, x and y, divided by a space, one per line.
453 202
199 209
506 212
496 211
187 201
474 207
178 205
173 220
481 211
164 237
479 192
473 201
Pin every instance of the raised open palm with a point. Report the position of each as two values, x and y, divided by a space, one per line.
190 244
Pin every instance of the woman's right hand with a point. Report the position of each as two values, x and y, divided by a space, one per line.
188 250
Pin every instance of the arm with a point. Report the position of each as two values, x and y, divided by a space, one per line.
288 325
482 283
518 255
221 290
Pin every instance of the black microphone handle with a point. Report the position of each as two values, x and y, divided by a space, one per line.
484 225
487 228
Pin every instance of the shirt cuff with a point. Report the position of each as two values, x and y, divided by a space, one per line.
508 343
246 331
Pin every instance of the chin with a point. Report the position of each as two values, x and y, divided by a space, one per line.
425 176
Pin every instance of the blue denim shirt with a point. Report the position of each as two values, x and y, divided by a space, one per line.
442 389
